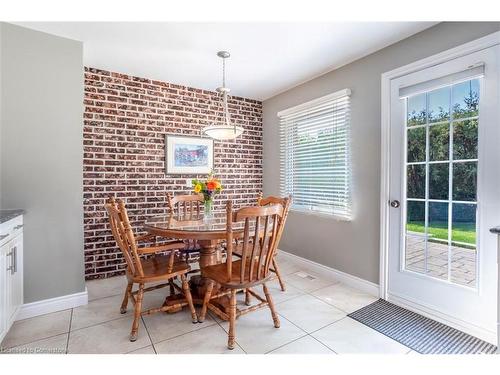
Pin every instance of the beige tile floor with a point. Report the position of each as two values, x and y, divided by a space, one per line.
313 314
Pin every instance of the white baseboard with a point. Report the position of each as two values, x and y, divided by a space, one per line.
345 278
30 310
429 312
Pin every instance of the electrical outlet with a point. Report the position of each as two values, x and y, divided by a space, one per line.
188 182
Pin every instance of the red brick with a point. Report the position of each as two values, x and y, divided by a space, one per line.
125 122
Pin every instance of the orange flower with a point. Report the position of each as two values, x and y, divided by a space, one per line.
211 185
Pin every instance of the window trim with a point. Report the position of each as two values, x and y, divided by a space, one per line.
321 214
311 103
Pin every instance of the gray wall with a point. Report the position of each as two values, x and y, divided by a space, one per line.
353 247
42 155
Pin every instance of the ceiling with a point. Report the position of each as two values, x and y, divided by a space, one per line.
266 58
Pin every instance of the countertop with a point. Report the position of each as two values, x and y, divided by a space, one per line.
6 215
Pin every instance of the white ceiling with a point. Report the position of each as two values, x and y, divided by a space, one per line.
266 58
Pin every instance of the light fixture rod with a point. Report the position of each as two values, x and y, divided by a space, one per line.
223 131
226 108
223 72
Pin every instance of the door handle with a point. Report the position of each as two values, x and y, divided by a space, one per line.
11 267
395 203
14 260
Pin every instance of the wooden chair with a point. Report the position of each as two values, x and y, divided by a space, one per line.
285 202
186 207
153 269
262 227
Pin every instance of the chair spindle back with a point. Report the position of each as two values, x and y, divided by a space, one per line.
285 202
186 205
262 226
124 236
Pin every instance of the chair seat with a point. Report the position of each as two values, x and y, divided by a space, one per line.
218 273
156 268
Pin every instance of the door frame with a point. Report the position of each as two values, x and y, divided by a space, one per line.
442 57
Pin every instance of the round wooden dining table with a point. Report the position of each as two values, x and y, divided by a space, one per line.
208 233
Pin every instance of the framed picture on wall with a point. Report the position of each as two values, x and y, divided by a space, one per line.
188 155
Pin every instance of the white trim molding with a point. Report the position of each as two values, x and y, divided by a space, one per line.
453 53
386 78
343 277
30 310
315 102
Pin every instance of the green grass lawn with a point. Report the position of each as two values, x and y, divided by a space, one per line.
462 232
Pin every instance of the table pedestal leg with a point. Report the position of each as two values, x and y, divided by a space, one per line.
209 255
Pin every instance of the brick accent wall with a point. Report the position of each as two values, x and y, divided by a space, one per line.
125 121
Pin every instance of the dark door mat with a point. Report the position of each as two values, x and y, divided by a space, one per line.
424 335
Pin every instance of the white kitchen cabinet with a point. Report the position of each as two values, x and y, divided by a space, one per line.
11 272
3 292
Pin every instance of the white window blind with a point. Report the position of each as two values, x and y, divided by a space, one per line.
315 155
471 72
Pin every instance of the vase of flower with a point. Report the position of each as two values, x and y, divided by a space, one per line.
207 211
209 188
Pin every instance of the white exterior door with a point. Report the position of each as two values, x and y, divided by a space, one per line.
445 191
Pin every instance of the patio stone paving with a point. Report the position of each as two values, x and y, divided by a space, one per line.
463 261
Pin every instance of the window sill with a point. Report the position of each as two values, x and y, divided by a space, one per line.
321 215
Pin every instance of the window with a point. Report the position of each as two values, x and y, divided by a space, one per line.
315 155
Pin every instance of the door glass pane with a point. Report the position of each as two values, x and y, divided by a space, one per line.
464 181
416 145
463 248
439 105
415 253
416 113
465 139
416 181
438 181
464 224
415 217
437 246
415 238
439 142
466 99
434 246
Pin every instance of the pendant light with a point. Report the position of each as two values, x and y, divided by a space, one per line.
223 130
